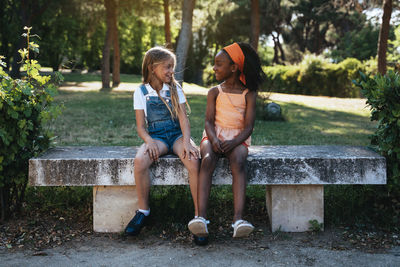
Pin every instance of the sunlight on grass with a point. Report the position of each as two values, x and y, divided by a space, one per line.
93 117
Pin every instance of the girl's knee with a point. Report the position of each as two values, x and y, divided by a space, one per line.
208 161
193 165
142 162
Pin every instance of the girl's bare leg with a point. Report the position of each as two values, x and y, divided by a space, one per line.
237 161
209 161
193 166
142 163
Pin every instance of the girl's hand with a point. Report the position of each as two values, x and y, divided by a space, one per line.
228 145
190 151
152 150
216 146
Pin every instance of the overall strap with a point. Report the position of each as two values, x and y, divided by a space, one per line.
144 89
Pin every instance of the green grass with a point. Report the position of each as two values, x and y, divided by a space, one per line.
94 77
101 118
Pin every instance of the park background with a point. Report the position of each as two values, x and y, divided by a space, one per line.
311 52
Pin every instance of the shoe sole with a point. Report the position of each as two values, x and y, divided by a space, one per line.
243 231
198 228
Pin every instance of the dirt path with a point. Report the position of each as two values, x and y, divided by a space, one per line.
296 249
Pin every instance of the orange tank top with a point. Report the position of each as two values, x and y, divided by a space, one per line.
230 109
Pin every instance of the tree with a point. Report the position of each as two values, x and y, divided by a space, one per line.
184 38
276 14
360 43
309 25
111 38
167 24
255 23
384 35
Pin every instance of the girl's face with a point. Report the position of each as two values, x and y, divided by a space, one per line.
222 66
164 70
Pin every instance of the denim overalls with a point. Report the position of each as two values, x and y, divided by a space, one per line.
160 124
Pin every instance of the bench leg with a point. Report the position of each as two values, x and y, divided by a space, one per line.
113 207
291 207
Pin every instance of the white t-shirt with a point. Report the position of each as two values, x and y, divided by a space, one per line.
139 101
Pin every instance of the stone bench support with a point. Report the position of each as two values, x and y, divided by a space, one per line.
294 177
291 207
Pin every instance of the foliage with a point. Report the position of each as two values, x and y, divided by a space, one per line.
394 47
359 43
361 206
314 76
315 226
383 97
25 105
72 32
309 25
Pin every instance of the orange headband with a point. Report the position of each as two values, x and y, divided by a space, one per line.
236 54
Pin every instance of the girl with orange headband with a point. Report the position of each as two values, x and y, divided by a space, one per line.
230 117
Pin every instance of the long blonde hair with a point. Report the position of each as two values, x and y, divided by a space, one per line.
155 56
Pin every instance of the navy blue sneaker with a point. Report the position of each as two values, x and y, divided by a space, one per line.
200 240
136 224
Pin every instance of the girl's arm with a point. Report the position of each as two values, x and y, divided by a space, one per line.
249 118
210 120
151 146
188 149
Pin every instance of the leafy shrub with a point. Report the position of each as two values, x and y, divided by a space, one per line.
209 76
314 76
371 66
383 97
378 205
25 105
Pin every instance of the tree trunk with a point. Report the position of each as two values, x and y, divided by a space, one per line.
184 38
384 35
116 53
255 23
105 64
167 25
276 52
283 58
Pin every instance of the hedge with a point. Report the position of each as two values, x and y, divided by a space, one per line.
315 76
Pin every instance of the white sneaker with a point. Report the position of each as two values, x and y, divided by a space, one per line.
242 228
198 226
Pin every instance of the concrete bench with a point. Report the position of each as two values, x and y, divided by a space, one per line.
294 175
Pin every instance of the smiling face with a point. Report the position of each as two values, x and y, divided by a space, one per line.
164 70
223 66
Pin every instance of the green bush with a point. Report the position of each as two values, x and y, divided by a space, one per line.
371 66
383 97
25 105
314 76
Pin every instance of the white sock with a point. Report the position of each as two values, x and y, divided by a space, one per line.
145 212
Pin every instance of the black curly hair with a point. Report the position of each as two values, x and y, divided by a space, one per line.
252 66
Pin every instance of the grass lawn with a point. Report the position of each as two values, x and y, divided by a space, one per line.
94 117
